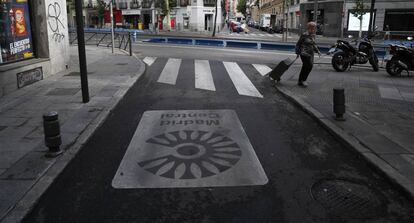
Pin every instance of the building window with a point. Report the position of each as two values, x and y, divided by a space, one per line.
399 19
209 2
15 32
184 3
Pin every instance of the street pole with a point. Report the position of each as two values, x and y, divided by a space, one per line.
342 20
283 20
315 12
81 51
112 24
371 17
167 4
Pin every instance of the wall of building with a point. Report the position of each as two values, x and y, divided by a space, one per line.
51 43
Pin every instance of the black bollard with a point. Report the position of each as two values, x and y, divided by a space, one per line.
339 103
52 134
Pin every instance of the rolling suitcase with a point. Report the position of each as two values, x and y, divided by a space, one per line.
281 68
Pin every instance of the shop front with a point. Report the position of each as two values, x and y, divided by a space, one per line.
34 42
16 42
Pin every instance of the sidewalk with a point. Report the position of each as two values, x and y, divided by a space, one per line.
379 119
25 173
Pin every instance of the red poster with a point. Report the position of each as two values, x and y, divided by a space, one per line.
20 22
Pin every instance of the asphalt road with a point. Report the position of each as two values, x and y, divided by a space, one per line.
301 160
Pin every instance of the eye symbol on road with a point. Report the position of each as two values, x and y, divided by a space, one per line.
192 154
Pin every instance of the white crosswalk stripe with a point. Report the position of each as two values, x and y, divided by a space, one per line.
242 83
262 69
149 60
170 72
203 76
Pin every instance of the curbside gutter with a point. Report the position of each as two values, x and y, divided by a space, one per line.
32 197
406 185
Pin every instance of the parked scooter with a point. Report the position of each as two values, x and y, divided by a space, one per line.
402 59
345 55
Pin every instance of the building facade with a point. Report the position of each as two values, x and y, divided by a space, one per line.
335 17
34 41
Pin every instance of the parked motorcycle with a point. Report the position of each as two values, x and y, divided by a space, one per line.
345 55
402 59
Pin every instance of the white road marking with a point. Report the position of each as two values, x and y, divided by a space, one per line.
149 60
242 83
269 35
203 76
261 34
262 69
170 72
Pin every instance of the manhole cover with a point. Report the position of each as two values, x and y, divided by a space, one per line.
348 199
63 91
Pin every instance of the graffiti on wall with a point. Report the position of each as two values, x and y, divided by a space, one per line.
55 23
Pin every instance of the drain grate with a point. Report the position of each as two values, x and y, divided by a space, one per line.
63 91
121 64
348 199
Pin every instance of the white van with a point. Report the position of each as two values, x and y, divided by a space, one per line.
264 21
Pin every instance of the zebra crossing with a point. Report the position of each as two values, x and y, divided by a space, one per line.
203 75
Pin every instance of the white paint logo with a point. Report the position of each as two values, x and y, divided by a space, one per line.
194 154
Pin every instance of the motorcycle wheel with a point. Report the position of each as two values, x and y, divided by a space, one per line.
339 63
393 68
374 62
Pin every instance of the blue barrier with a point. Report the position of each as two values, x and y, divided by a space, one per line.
180 41
243 44
205 42
251 45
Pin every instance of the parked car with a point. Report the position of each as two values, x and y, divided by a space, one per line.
275 29
236 27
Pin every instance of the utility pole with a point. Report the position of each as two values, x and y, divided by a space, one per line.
81 51
112 24
371 17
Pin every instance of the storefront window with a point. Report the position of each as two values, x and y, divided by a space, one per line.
15 32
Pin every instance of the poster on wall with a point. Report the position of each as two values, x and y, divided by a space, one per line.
354 23
15 36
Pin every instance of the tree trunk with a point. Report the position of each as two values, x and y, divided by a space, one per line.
360 28
215 21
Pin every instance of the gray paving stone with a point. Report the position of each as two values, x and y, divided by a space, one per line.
11 191
5 121
15 133
404 165
390 93
30 167
8 158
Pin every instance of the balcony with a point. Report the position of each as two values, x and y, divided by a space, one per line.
122 5
134 5
146 4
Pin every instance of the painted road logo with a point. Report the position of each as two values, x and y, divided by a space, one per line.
189 149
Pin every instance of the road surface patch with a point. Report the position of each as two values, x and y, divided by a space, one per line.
189 148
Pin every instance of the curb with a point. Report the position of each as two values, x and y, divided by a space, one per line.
31 198
406 185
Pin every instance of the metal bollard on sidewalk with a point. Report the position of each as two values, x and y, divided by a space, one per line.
51 129
339 103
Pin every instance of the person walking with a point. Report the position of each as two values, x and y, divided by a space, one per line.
305 48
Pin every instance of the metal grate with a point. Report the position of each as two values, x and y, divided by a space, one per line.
121 64
348 199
